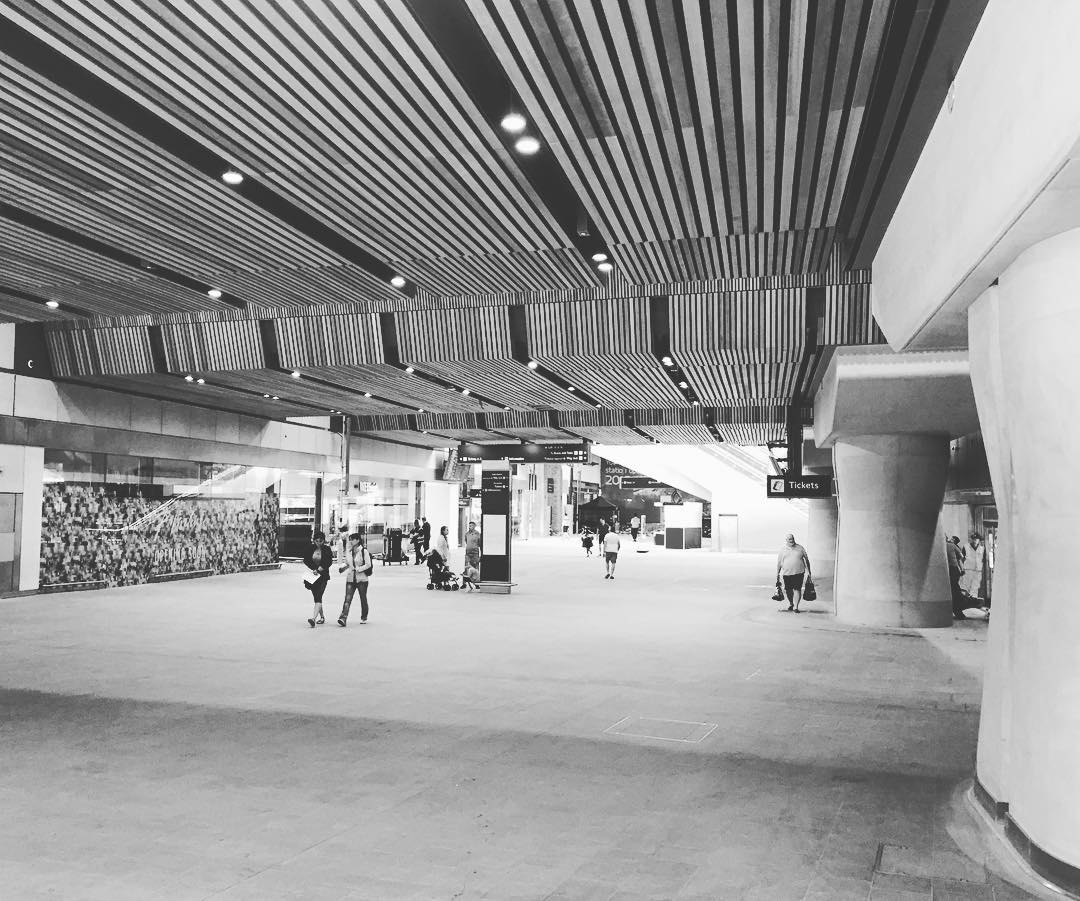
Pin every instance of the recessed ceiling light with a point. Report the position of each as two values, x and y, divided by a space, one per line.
276 397
507 409
200 381
398 281
683 385
295 374
570 388
695 403
605 267
214 293
420 410
232 177
532 364
189 378
52 304
513 123
465 391
423 431
409 370
367 394
527 145
267 396
598 406
599 257
667 361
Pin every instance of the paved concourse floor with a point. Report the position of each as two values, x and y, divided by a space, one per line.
667 734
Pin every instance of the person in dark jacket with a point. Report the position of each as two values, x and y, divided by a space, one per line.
425 530
416 539
318 559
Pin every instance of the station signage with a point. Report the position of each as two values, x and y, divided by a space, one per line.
798 486
615 476
525 453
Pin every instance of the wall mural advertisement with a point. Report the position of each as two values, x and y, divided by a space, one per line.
122 535
636 494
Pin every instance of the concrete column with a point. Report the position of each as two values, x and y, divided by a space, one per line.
890 560
821 539
21 489
1023 349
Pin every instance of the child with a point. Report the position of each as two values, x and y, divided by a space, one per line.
470 578
587 541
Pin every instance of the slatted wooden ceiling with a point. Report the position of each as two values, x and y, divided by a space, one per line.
729 155
685 122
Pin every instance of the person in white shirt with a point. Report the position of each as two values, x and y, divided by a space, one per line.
793 565
611 553
442 544
358 566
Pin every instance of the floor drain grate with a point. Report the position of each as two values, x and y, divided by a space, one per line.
684 731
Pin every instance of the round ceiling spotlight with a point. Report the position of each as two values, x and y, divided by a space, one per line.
267 396
570 388
232 177
527 145
532 364
599 257
683 385
465 391
398 281
409 370
276 397
667 361
200 381
295 374
189 378
598 406
605 267
52 304
420 410
695 403
367 394
214 293
507 409
513 123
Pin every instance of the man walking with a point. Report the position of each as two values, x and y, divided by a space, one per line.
425 533
318 560
611 553
793 566
358 567
472 547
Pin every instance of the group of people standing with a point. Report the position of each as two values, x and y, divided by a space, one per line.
356 562
967 569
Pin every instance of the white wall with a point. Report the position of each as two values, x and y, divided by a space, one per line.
439 503
22 474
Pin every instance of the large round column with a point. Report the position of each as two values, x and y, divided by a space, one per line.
890 559
1036 391
821 538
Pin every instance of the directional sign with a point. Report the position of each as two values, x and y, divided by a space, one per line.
525 453
798 486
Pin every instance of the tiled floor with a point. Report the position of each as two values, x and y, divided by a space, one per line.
197 740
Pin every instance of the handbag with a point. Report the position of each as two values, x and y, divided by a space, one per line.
779 595
370 568
809 591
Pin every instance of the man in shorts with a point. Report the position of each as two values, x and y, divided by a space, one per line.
793 567
472 547
611 553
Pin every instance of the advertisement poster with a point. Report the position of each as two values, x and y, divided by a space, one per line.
636 494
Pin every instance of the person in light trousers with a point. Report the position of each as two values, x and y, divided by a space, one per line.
358 567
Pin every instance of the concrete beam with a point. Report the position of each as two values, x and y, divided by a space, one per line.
878 392
999 172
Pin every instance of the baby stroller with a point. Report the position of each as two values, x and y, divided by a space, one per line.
439 575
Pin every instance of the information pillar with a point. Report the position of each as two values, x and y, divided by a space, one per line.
495 513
